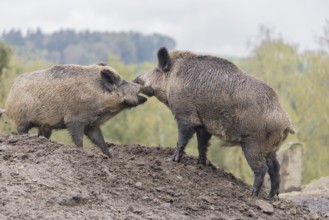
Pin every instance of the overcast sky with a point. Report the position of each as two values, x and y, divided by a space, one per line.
222 27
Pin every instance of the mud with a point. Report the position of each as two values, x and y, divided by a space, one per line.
41 179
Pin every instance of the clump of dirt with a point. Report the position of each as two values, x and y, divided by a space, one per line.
41 179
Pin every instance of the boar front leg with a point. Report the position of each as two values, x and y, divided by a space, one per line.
274 172
203 142
23 128
96 136
76 130
45 132
184 135
256 160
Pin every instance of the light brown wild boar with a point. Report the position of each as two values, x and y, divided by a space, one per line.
79 98
212 96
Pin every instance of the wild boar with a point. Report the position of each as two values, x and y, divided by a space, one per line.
73 97
211 96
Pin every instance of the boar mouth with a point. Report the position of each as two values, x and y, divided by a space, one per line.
141 100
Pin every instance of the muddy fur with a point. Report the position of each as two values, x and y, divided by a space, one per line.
79 98
212 96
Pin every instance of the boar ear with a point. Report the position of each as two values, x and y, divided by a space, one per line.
164 59
109 79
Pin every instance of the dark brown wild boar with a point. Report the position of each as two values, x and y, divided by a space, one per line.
211 96
79 98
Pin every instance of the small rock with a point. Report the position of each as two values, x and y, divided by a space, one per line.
24 157
251 213
211 207
139 185
13 174
158 163
12 140
160 189
137 210
282 206
72 200
207 199
166 205
192 207
180 178
265 206
293 211
276 204
315 216
6 157
145 198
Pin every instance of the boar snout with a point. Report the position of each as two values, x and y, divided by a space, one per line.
141 99
133 103
147 90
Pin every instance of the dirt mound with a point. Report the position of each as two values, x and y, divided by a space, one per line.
41 179
315 195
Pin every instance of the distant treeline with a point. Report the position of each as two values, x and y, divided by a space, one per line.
85 47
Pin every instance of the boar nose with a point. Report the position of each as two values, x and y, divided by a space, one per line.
147 90
141 99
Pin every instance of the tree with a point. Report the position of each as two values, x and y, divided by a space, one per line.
58 47
324 40
5 53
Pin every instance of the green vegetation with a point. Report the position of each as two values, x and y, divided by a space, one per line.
300 79
5 53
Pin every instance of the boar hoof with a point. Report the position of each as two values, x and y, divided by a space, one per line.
254 191
177 156
202 161
107 154
206 162
274 192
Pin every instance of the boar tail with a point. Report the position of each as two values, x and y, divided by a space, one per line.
288 130
291 130
2 111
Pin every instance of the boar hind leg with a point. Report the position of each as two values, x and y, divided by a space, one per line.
274 172
256 160
184 135
96 136
203 142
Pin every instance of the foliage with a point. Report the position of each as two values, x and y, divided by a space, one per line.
4 56
85 47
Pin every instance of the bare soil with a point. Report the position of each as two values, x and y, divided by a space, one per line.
41 179
315 195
